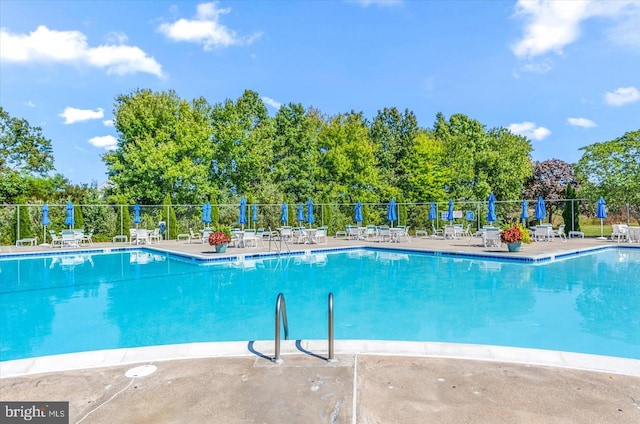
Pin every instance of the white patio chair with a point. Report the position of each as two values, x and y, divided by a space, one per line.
435 232
619 231
55 239
86 238
543 233
142 236
133 235
155 235
69 239
559 232
321 233
491 237
449 232
250 238
385 232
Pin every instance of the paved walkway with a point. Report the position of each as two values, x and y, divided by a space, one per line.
386 387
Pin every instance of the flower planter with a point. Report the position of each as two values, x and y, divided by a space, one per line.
514 247
221 248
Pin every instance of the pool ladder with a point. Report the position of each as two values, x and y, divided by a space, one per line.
281 314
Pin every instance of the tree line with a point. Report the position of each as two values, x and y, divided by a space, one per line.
194 152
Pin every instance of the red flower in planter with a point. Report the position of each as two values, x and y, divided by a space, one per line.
511 235
218 237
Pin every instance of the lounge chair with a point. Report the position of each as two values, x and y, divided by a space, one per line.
192 236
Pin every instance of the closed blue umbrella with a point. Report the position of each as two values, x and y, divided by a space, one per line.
358 212
525 212
433 212
136 214
300 213
206 214
243 212
601 212
491 215
45 221
69 220
391 211
541 209
310 218
450 211
254 214
284 217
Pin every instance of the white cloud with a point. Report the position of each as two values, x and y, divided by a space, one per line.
273 103
386 3
538 68
622 96
206 29
581 122
116 37
30 104
45 45
107 142
72 115
551 25
529 130
108 122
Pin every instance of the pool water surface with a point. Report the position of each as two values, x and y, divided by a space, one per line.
72 303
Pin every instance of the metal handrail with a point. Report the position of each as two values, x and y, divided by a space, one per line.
281 311
330 326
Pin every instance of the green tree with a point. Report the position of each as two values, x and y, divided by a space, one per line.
242 134
78 217
611 169
168 215
162 147
23 151
426 173
394 134
347 163
295 151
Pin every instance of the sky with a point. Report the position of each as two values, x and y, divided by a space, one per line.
565 74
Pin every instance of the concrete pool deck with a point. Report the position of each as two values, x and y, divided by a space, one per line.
385 382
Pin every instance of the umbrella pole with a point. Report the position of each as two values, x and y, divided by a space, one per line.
602 237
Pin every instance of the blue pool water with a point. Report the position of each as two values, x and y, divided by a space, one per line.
71 303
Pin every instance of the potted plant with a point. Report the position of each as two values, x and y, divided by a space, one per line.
220 239
513 237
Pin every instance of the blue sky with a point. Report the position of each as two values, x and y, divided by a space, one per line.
563 73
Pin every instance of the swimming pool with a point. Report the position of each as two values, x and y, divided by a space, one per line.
71 303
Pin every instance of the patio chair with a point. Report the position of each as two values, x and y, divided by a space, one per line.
155 235
435 232
133 235
86 238
193 237
321 233
250 238
543 233
69 239
491 237
55 239
559 232
450 232
619 232
370 232
385 232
